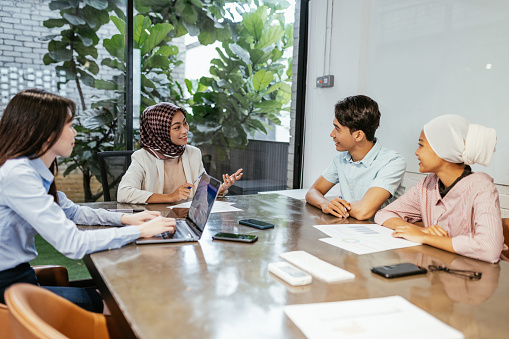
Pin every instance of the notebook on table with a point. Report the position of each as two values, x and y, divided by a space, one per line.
191 228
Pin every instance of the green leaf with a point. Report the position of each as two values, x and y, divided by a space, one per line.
104 84
270 36
58 51
257 124
157 33
74 20
49 37
276 54
141 26
262 79
224 34
241 53
284 95
59 5
46 59
86 78
207 36
158 61
70 74
146 82
119 23
187 12
268 106
197 3
192 29
113 64
95 18
115 46
273 88
51 23
253 97
87 32
84 50
254 23
97 4
168 50
289 71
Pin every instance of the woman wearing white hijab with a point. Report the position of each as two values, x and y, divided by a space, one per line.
459 209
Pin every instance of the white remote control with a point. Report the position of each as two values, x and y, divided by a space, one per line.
317 267
289 273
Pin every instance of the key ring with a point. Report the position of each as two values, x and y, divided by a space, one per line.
472 275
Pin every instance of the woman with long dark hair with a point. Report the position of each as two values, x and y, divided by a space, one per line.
37 127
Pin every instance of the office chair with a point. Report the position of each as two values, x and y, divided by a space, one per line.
48 275
505 226
35 312
113 165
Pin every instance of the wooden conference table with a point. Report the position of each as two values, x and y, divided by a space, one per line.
219 289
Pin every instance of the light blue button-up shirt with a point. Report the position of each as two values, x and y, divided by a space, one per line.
26 209
381 167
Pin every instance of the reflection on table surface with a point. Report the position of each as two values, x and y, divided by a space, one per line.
219 289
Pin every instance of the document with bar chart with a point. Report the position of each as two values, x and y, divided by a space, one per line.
362 238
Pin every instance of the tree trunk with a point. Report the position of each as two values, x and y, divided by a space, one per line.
86 187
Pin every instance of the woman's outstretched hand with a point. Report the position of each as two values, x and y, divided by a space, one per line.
229 180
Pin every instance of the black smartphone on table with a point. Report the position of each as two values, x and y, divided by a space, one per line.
235 237
256 223
398 270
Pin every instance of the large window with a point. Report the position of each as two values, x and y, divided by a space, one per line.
228 63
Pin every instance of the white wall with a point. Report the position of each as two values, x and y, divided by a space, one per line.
352 66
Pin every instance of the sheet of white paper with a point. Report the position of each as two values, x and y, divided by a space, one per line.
301 193
362 238
218 207
390 317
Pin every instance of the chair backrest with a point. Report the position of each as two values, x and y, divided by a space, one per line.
38 313
505 226
113 165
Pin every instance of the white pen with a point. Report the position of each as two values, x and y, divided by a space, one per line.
195 180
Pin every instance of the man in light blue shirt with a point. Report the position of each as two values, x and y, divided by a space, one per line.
368 174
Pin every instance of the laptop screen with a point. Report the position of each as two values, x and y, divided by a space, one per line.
203 200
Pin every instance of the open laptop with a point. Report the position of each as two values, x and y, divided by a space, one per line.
191 228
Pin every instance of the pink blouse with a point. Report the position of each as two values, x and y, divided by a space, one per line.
470 213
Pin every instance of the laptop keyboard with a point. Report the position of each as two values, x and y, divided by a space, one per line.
179 233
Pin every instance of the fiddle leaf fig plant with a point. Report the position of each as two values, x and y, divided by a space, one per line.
250 85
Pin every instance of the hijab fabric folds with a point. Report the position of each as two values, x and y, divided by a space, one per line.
455 140
155 131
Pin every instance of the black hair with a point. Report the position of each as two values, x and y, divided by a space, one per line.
359 113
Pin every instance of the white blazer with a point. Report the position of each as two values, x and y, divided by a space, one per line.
145 176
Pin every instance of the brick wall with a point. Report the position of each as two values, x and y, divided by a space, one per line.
72 185
411 179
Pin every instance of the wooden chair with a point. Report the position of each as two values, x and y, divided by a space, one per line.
35 312
47 275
